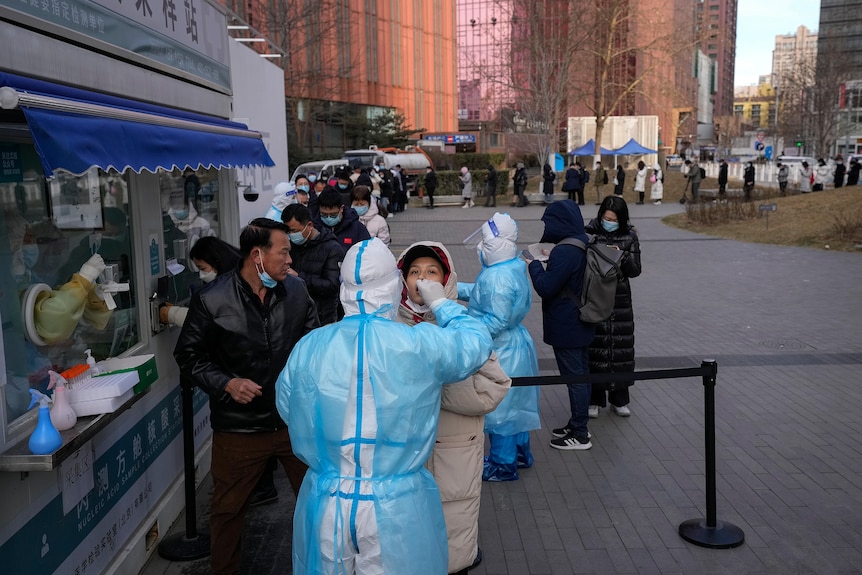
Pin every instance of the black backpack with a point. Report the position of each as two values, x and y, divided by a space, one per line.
601 275
702 174
605 179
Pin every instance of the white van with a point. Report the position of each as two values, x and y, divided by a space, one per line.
318 167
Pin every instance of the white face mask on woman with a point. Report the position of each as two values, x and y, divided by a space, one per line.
207 277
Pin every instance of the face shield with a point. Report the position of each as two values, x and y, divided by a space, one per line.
496 240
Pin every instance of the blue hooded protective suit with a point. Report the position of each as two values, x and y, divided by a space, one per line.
501 298
361 398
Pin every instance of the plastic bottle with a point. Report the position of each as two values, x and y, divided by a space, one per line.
63 415
45 438
91 362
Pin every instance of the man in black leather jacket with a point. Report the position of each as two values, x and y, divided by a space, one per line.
235 341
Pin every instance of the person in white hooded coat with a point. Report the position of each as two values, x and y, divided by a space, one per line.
363 416
456 461
656 191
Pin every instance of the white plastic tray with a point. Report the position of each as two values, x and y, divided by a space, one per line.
102 387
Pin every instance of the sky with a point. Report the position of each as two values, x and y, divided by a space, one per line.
757 24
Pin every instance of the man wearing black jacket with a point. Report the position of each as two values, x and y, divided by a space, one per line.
341 220
430 186
491 188
317 257
235 340
722 178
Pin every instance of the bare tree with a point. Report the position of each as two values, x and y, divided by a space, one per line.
527 64
314 38
632 53
822 115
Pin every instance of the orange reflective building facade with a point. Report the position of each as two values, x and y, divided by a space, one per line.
349 57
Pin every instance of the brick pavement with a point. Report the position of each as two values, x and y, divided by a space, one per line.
782 324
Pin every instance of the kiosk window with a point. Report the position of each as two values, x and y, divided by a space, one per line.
189 212
50 313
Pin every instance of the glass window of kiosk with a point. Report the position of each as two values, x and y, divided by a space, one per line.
189 212
48 230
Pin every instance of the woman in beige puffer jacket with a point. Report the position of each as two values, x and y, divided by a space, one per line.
457 459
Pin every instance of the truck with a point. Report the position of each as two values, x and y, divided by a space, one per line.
412 159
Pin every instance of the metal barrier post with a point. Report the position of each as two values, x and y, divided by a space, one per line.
710 532
190 545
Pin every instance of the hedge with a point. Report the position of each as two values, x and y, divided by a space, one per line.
449 183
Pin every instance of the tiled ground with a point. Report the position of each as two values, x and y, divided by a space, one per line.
783 324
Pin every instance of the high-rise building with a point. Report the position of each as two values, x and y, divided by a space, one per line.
347 59
717 20
841 29
839 69
794 56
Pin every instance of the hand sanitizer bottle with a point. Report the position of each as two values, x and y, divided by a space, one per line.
45 438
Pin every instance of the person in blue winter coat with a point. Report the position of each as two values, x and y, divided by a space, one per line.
363 416
560 285
501 298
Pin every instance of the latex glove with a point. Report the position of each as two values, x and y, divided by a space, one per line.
431 292
92 268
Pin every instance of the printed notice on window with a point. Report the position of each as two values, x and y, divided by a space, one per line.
76 477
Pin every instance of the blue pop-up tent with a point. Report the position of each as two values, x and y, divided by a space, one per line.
632 148
589 149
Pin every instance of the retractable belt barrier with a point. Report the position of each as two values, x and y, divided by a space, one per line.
706 532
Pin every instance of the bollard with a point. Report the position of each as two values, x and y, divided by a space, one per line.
710 532
192 544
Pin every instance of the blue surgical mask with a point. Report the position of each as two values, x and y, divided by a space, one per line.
610 226
302 188
29 254
331 221
207 277
361 210
267 280
312 178
181 214
296 238
342 186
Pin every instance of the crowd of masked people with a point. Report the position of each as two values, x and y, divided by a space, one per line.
373 378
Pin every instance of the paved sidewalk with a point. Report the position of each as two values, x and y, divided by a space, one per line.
783 324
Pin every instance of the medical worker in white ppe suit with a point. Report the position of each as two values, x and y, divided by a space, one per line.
361 398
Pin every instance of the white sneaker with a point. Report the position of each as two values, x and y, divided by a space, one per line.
594 411
471 203
657 202
622 410
466 205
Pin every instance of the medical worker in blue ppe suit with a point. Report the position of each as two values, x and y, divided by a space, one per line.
363 416
501 298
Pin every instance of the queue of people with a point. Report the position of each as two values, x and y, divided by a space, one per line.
382 436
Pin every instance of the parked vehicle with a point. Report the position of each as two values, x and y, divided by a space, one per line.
674 161
318 167
412 159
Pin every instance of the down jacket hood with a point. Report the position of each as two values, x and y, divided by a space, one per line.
562 220
411 313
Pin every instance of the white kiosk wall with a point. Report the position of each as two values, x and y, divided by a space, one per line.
258 101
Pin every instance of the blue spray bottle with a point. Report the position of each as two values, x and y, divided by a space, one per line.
45 439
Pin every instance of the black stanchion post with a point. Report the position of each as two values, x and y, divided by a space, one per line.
192 544
710 532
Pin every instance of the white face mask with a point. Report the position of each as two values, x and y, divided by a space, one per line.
207 277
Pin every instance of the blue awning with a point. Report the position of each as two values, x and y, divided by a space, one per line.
632 148
75 130
589 149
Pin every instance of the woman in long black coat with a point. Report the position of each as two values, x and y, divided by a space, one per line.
619 181
613 348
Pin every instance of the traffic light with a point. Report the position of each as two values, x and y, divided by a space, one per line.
798 143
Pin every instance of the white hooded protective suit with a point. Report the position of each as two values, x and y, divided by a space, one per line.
501 298
361 398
